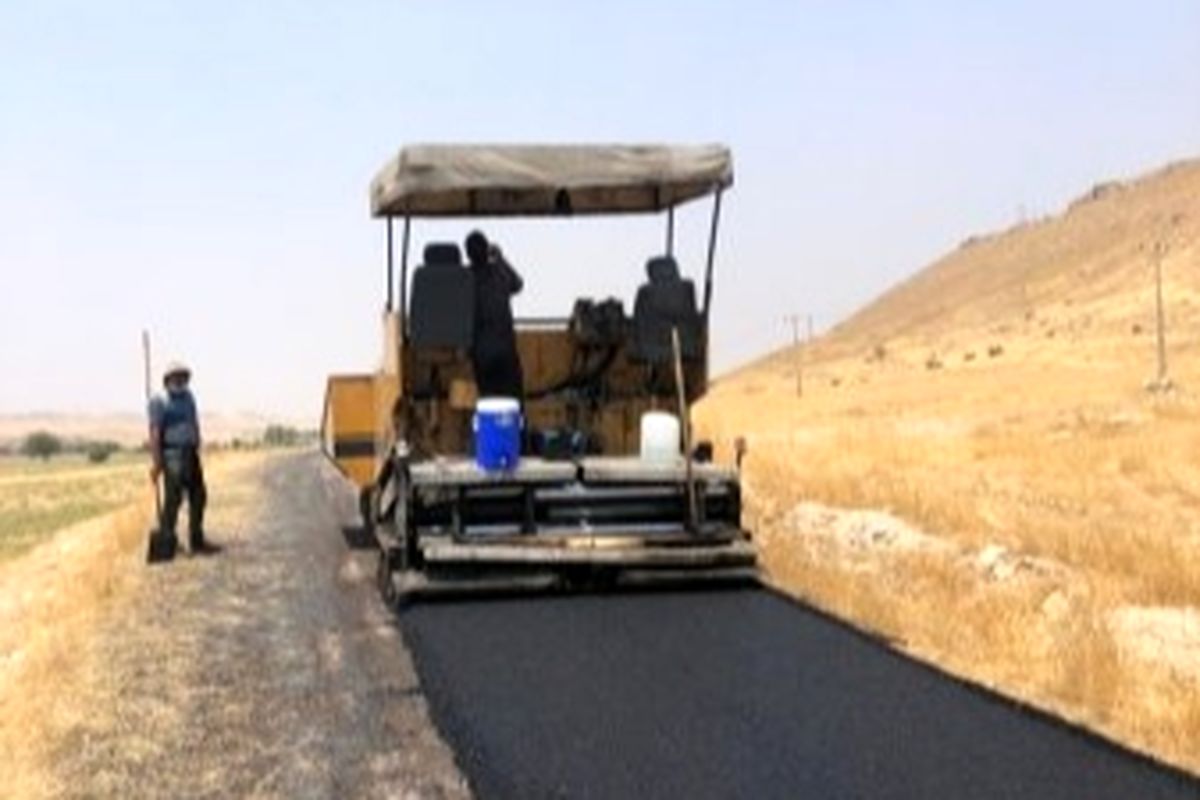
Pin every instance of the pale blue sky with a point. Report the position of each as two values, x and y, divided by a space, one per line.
201 168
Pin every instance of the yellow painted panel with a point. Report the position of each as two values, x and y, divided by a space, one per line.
351 403
386 391
359 470
348 426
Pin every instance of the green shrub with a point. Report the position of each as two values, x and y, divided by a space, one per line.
99 452
41 444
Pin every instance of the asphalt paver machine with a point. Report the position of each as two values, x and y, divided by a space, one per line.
582 507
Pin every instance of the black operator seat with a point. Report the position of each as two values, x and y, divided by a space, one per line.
666 301
442 309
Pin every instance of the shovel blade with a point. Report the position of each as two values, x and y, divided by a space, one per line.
161 548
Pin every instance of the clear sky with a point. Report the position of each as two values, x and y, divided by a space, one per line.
201 168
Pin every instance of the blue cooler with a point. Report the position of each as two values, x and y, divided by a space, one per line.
497 427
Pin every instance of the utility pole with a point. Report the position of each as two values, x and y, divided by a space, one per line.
1162 381
797 352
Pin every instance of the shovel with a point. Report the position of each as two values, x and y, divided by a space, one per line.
162 544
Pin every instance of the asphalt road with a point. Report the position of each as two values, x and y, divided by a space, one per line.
731 694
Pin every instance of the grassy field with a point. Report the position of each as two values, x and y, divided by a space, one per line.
1033 509
39 497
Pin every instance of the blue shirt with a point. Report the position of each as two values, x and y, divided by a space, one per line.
174 415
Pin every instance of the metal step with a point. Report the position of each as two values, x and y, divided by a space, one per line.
590 551
659 534
412 586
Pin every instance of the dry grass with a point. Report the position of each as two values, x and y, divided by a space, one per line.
1049 448
51 599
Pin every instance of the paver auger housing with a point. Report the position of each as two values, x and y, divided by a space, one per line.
581 508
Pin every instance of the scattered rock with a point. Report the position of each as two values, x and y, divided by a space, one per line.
1056 606
992 560
999 564
1168 636
860 530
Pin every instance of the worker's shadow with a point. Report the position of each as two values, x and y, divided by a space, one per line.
357 537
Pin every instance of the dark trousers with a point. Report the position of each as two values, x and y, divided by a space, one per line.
497 371
183 475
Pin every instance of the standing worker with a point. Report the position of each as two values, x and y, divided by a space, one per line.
494 349
175 450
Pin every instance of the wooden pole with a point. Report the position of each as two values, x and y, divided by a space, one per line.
797 352
1162 380
146 363
685 422
149 393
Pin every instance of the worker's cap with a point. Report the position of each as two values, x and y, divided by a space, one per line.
176 368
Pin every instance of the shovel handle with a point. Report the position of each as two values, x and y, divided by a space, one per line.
157 499
150 430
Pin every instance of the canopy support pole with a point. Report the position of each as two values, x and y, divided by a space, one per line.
391 280
403 274
712 251
671 231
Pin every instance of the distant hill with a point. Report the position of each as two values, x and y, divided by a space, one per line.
129 429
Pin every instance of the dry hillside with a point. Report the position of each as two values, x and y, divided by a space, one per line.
977 470
1083 278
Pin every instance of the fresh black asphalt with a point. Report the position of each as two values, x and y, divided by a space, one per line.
734 693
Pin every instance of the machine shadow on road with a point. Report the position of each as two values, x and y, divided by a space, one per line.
358 537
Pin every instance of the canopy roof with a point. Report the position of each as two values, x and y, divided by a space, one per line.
494 180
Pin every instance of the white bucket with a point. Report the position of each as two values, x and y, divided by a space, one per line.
660 436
